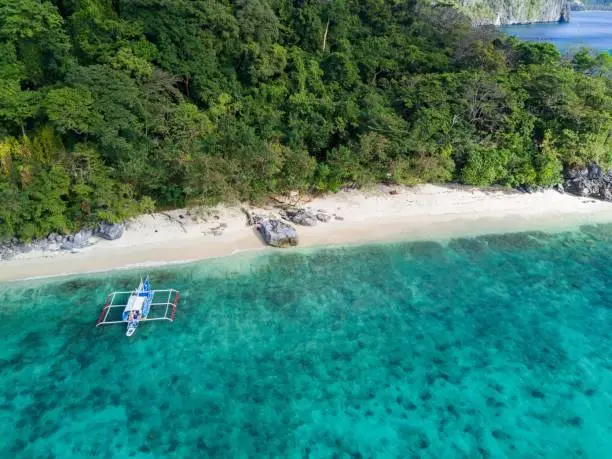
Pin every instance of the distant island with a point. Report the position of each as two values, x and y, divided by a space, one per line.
514 11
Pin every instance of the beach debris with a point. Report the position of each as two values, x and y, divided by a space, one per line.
216 230
253 219
174 220
109 231
278 233
199 214
338 217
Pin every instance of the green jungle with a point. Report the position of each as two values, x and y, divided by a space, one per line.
110 108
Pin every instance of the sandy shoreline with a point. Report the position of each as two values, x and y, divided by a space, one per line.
426 212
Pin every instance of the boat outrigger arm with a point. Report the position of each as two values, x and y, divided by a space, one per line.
140 305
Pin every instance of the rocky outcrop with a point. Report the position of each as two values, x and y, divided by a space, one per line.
299 216
566 13
109 231
515 11
278 233
590 182
77 241
56 242
305 217
323 217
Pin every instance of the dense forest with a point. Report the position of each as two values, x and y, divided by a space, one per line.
109 108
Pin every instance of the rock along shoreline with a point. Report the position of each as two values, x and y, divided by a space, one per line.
59 243
278 225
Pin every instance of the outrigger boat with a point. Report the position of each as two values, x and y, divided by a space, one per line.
140 306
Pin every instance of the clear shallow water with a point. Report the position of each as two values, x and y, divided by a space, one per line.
494 346
592 29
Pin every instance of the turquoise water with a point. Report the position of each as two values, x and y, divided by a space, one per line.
592 29
495 346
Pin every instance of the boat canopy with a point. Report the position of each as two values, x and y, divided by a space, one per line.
135 303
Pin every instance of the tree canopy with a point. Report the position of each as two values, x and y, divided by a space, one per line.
109 108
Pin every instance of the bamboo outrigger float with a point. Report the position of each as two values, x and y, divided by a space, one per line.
139 305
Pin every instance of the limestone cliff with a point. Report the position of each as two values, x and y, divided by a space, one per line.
500 12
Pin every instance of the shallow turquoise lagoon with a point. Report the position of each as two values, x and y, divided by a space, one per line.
495 346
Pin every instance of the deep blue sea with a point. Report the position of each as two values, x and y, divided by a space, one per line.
592 29
485 347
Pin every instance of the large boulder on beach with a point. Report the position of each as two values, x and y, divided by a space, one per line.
77 241
277 233
580 186
589 182
109 231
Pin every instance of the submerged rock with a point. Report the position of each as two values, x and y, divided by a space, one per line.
109 231
277 233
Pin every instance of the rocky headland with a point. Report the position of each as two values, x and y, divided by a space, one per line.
509 12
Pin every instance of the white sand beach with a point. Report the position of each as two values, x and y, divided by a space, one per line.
427 212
